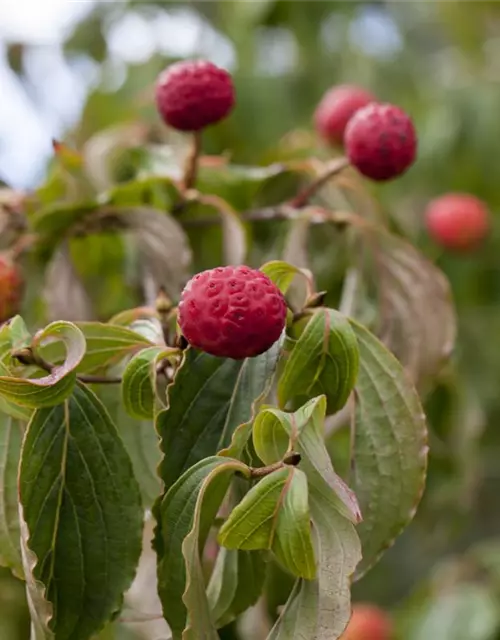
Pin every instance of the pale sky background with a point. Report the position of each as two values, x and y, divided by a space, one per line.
32 115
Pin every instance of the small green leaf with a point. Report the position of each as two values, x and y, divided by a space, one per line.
82 515
390 447
252 523
11 434
235 585
282 273
324 360
185 515
19 335
209 398
54 387
275 432
292 543
139 382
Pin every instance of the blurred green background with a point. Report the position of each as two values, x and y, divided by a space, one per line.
93 65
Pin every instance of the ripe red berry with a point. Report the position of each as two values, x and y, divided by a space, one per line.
10 289
457 221
368 622
232 312
193 95
381 141
336 108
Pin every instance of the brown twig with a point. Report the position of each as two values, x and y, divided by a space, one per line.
303 197
291 459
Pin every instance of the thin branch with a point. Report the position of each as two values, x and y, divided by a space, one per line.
191 170
334 168
291 459
99 379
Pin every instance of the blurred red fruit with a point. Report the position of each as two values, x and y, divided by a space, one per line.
368 622
381 141
336 108
457 221
10 289
193 95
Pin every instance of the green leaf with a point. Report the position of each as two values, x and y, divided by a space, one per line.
390 447
276 432
282 273
139 382
54 387
107 345
185 515
324 360
83 516
140 439
11 434
235 585
209 398
275 515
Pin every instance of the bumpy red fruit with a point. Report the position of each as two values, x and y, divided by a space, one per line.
10 289
381 141
232 312
336 108
193 95
368 622
457 221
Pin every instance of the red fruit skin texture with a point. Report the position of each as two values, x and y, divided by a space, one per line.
368 622
336 108
10 289
232 312
381 141
194 94
457 221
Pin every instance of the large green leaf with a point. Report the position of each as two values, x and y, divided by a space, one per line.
274 514
184 516
139 382
11 434
209 398
390 447
235 585
275 432
53 387
324 360
318 608
82 513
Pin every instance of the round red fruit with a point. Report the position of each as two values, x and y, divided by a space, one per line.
457 221
10 289
193 95
336 108
232 312
368 622
381 141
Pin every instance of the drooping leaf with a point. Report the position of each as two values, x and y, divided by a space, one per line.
274 515
209 398
185 515
275 432
417 321
283 274
318 608
82 513
11 434
139 382
390 447
324 360
52 388
235 584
